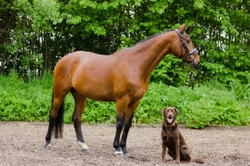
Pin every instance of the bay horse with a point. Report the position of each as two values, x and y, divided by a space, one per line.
122 77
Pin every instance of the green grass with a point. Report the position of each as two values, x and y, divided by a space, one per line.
199 106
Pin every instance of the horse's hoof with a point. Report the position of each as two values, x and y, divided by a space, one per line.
85 150
119 153
127 154
83 146
47 146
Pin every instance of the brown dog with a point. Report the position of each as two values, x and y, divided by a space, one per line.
173 139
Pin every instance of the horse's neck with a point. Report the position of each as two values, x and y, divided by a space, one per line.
150 53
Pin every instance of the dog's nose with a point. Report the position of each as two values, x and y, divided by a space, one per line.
170 116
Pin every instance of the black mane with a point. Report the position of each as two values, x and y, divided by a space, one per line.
150 37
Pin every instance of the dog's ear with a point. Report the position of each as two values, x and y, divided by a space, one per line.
163 111
176 111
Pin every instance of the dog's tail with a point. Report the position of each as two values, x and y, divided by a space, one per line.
198 160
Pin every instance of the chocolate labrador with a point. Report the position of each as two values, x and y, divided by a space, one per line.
173 139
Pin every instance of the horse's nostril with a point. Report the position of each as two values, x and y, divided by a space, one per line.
195 64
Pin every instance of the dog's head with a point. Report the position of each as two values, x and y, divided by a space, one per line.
169 114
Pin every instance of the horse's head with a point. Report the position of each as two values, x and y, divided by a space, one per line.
183 47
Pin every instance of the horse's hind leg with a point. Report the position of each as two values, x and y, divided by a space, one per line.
60 90
54 119
80 103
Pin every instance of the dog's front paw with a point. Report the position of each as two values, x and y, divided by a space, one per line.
177 161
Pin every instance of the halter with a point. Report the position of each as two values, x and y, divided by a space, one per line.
184 45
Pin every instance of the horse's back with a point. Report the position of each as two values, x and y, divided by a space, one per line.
88 73
75 60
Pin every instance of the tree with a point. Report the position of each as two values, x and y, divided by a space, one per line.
36 34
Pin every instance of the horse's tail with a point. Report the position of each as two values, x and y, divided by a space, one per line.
59 119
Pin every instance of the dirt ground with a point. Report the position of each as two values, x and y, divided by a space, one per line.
21 143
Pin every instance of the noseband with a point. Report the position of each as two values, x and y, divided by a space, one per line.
185 47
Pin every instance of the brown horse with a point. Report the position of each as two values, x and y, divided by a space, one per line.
122 77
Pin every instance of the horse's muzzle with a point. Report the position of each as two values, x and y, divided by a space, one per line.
194 64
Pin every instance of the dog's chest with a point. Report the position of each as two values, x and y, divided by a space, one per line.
168 134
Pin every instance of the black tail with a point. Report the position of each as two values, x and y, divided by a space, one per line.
59 119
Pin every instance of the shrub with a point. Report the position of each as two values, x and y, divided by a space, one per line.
199 106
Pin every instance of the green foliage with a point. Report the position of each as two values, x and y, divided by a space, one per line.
35 34
200 106
42 14
24 102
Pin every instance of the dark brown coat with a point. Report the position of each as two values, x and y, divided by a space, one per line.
173 139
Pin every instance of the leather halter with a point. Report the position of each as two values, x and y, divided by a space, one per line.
185 47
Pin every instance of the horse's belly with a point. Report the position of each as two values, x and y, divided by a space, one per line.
100 96
96 90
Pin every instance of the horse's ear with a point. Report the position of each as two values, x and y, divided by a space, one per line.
177 112
182 28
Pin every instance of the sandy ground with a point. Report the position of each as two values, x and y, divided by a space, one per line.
21 143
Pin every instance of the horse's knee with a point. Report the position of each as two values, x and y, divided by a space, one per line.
128 125
119 123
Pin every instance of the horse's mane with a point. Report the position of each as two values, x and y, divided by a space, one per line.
150 37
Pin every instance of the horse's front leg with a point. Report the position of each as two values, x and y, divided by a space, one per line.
127 126
127 118
119 126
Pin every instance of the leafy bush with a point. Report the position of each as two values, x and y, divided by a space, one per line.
199 106
24 102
